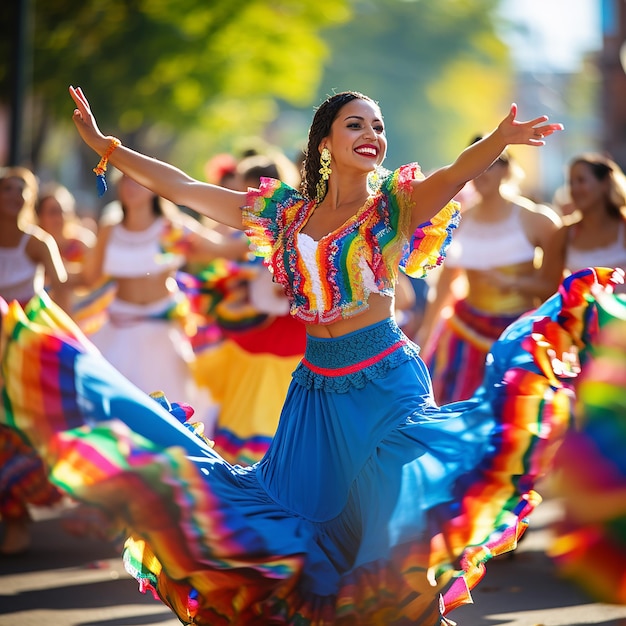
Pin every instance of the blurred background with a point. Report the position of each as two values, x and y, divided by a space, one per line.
184 80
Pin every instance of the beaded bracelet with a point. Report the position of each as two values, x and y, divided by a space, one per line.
101 168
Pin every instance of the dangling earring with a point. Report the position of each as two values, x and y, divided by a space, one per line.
325 172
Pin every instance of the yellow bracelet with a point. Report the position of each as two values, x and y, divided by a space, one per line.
101 168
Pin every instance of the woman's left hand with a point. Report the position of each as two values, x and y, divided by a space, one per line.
531 133
85 122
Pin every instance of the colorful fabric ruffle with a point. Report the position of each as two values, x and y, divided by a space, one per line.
460 344
23 477
219 293
219 303
589 545
90 307
373 505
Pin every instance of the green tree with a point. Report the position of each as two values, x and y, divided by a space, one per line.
438 69
165 66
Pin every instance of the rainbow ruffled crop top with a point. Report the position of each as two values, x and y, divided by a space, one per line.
376 238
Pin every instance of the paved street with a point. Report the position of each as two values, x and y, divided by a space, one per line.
66 581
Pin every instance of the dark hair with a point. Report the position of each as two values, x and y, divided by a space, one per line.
320 127
505 156
253 168
158 208
603 168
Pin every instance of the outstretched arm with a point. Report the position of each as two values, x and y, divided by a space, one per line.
437 189
221 204
43 249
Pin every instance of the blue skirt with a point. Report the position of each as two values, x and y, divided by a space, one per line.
373 505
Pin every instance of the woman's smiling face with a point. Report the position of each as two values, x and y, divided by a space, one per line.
357 137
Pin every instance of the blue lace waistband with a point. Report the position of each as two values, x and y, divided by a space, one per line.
336 364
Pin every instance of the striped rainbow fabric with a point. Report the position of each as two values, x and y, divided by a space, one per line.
96 434
589 544
214 547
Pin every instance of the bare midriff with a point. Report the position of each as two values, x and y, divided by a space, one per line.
485 296
145 289
380 308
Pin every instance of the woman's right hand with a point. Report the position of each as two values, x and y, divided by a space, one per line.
85 122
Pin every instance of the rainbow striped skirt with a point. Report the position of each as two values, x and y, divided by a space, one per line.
372 505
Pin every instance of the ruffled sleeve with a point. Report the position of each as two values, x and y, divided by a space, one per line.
268 214
426 248
429 243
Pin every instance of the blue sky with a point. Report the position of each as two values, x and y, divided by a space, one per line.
552 35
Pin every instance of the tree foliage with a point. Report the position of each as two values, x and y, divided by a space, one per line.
438 69
213 66
187 78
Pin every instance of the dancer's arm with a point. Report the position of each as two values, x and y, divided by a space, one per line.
437 189
221 204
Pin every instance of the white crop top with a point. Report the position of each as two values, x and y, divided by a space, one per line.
487 245
133 254
607 256
17 272
308 251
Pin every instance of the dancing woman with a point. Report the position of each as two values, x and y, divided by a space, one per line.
371 501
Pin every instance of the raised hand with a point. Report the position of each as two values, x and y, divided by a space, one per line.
85 122
532 132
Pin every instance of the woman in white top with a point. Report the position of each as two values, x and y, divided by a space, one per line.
144 335
492 275
596 230
29 258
